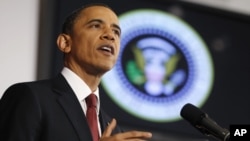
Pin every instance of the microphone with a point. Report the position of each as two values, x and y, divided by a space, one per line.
204 123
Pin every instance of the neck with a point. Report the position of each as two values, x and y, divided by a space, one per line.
91 79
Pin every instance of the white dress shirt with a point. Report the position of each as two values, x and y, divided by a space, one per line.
81 90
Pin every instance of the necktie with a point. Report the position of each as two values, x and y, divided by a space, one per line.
91 115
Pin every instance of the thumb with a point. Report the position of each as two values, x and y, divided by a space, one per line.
108 131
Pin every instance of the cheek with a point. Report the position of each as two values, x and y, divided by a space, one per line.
118 46
82 52
118 52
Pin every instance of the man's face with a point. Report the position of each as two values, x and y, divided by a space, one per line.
95 40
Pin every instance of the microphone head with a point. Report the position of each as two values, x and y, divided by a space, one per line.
203 123
192 114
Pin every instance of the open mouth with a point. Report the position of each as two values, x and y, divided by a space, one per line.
107 48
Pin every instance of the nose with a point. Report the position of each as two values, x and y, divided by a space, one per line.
108 35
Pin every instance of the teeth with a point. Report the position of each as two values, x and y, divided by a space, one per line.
107 48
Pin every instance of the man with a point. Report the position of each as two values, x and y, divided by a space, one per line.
55 109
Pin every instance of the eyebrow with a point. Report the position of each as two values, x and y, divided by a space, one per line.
101 21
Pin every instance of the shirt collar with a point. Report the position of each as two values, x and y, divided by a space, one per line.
80 88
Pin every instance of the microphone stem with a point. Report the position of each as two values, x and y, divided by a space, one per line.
227 137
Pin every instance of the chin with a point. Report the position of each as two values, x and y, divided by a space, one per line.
107 66
105 69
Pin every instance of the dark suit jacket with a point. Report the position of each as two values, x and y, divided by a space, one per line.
46 110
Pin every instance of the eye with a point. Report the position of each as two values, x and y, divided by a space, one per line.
117 32
96 26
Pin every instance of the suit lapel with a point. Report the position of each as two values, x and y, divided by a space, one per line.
72 108
105 121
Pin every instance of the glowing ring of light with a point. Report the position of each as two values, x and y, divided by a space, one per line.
145 21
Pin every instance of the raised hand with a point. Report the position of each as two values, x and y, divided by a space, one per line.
125 136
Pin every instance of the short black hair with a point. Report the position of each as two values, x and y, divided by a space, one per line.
71 18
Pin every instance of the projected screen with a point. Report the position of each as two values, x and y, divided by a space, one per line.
172 54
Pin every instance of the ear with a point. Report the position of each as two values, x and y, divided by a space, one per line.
64 43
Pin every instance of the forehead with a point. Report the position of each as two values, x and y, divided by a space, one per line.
98 12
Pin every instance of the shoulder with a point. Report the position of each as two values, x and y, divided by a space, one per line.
25 90
38 85
27 86
22 90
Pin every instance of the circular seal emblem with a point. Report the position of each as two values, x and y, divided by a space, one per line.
163 65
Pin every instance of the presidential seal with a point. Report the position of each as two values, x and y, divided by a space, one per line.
163 65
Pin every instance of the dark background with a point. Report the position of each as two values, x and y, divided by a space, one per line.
226 34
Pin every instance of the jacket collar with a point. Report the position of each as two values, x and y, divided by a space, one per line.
72 108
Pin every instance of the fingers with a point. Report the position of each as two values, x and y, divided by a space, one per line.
125 136
128 136
137 135
108 131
